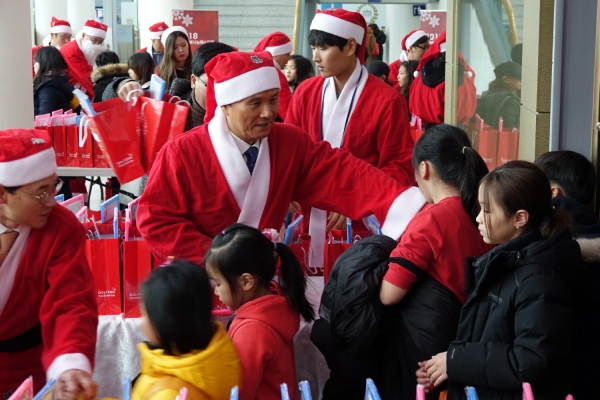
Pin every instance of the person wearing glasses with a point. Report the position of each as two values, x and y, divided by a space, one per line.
60 34
47 297
80 55
414 45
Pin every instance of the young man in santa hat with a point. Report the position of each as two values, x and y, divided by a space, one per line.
47 298
80 55
60 34
350 109
280 47
156 50
414 45
251 168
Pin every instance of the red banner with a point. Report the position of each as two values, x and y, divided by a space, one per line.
202 26
433 23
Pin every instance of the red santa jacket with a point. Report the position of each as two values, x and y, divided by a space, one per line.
79 68
262 332
285 96
187 200
53 286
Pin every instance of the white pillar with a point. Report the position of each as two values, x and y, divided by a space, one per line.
398 22
79 11
16 107
44 11
150 12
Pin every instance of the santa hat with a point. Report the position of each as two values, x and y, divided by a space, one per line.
435 50
157 30
26 156
95 28
277 43
342 23
412 38
238 75
168 31
60 26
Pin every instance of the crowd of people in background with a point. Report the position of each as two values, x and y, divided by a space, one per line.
493 277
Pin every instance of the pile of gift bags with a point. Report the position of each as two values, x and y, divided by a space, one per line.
495 146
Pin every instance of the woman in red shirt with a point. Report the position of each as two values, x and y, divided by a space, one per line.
431 254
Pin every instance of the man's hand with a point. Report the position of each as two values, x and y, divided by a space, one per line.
294 207
336 221
131 86
73 382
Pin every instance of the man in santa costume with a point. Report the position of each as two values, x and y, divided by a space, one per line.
414 45
350 109
47 299
280 47
80 55
241 166
60 34
156 50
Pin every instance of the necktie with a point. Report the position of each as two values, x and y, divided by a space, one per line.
251 156
6 241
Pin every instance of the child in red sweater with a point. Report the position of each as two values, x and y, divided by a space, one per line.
242 263
435 245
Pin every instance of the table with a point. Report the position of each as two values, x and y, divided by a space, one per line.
117 356
76 171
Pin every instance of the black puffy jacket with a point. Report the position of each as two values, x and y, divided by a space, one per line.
518 322
53 94
498 103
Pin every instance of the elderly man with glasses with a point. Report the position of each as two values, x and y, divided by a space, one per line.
47 299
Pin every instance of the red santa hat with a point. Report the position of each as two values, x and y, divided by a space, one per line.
95 28
168 31
60 26
277 43
412 38
342 23
238 75
157 30
435 50
26 156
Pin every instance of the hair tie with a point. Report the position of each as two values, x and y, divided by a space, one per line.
223 233
463 150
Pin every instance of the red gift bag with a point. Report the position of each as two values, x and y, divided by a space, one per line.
508 144
485 141
72 139
100 159
137 264
333 251
103 256
301 250
86 147
117 133
59 140
161 121
416 129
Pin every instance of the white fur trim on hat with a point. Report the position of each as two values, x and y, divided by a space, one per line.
29 169
246 85
155 35
61 29
172 29
88 30
280 50
337 26
412 39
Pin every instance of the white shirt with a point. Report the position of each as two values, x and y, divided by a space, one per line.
243 146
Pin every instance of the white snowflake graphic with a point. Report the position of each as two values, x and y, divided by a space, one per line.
425 15
177 15
187 20
434 21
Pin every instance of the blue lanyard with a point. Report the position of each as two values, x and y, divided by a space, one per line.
349 109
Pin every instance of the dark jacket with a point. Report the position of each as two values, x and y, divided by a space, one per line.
518 322
498 103
53 94
104 76
182 88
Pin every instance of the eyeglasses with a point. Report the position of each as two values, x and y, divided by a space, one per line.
201 81
44 196
96 40
424 48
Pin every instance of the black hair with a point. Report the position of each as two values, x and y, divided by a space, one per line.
207 52
107 57
422 40
52 64
242 249
304 70
572 172
516 53
448 149
12 189
320 38
411 67
143 66
376 30
178 301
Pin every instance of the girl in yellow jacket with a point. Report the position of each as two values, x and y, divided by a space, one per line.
185 348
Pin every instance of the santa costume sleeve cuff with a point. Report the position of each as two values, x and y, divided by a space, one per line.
402 210
66 362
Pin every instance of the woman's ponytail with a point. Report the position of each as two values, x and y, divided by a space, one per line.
293 282
473 171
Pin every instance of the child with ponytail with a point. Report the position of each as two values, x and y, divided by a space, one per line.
242 263
426 272
518 322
